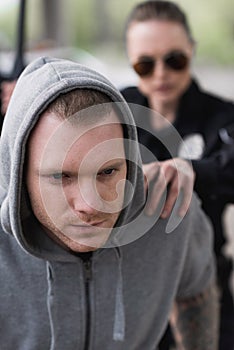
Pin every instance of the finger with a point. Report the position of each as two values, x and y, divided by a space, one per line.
145 184
155 192
171 199
151 171
186 183
187 196
172 178
150 174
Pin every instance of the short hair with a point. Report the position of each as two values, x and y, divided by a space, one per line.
86 107
159 10
67 105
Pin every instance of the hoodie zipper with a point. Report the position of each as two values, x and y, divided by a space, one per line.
88 275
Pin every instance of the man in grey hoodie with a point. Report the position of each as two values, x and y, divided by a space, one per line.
81 266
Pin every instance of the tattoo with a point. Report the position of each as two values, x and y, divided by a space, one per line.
195 321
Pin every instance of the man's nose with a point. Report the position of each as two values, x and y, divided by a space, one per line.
84 198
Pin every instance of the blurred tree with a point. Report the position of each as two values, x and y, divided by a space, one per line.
90 24
104 31
55 25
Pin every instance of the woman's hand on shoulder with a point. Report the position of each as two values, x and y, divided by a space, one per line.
174 175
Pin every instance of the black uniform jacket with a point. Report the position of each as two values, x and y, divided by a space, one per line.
212 118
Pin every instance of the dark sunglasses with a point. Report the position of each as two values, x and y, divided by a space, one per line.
175 60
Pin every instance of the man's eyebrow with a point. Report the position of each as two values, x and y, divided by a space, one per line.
49 170
113 163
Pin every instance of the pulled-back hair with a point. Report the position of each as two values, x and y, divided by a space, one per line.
159 10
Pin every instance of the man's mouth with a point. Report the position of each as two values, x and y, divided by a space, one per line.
88 234
86 230
89 225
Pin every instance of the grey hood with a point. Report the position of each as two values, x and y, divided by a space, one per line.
40 83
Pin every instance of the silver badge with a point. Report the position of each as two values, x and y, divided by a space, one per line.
192 147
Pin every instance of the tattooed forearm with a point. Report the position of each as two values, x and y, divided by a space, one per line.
195 321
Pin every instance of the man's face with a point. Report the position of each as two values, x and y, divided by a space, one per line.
76 178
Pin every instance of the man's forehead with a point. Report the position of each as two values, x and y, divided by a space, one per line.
51 126
56 140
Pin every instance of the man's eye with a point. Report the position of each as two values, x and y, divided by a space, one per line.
107 172
58 176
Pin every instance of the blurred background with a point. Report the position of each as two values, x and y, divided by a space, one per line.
92 32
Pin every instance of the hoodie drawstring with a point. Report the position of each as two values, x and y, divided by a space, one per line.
119 320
